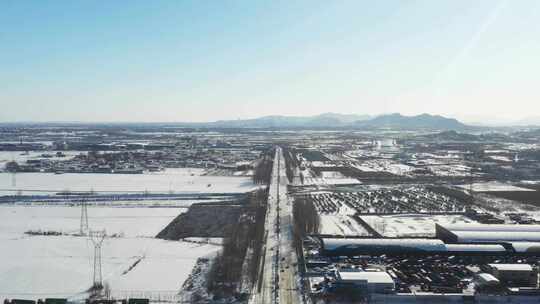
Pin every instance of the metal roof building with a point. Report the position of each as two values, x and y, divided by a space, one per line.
493 227
511 267
369 281
495 236
475 248
526 247
352 247
487 279
478 233
516 274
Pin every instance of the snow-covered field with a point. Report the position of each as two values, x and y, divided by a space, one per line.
494 186
330 181
130 222
409 225
386 165
173 202
329 178
61 266
340 224
21 157
450 170
171 180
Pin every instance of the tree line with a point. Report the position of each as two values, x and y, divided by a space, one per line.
226 273
291 162
262 172
306 217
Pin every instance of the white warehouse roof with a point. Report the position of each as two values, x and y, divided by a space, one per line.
487 279
526 246
511 267
371 277
419 244
353 246
494 236
493 227
474 248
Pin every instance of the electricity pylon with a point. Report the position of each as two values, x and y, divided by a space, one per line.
97 238
84 217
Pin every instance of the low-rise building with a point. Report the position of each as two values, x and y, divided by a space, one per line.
366 281
515 274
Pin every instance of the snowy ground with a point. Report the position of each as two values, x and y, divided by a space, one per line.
61 266
330 181
130 222
329 178
509 206
340 224
450 170
494 186
138 203
410 225
326 178
171 180
385 165
21 157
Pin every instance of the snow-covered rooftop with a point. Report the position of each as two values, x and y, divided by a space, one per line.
371 277
419 244
487 278
511 267
474 248
493 227
526 246
491 236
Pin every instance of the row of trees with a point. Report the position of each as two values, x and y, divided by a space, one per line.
306 217
263 170
226 273
256 231
306 221
291 162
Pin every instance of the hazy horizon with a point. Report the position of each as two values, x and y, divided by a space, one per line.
472 121
206 61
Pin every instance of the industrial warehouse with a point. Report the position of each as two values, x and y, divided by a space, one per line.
464 260
497 233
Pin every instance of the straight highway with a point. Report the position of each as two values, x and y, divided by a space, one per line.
278 277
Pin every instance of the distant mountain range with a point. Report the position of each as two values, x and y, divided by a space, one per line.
423 121
322 120
454 136
334 120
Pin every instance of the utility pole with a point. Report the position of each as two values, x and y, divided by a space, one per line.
470 163
471 185
14 179
13 173
97 238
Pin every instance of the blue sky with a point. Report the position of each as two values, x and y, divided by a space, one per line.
209 60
